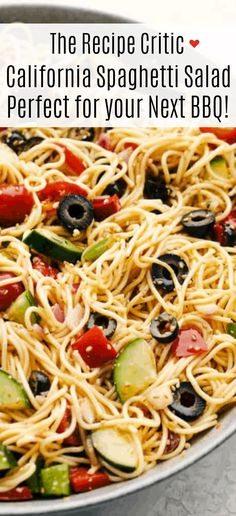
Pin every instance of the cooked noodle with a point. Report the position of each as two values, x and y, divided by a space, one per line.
118 284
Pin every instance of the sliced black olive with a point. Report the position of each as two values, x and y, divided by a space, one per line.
155 188
164 328
16 141
187 404
108 325
85 134
117 188
39 382
229 235
75 212
161 276
156 212
31 142
198 222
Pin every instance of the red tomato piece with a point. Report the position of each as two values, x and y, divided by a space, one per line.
189 342
18 493
82 481
56 191
45 269
73 439
133 145
49 208
228 134
75 163
221 234
8 293
15 203
172 442
103 207
75 287
104 141
95 348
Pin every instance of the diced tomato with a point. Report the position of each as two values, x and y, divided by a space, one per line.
103 207
189 342
225 230
75 163
104 141
82 481
172 442
15 203
18 493
144 409
75 286
133 145
8 293
228 134
73 439
49 208
56 191
45 269
219 233
95 348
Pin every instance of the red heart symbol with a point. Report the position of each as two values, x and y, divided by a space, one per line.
194 42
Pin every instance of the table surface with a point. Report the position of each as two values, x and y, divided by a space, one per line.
208 487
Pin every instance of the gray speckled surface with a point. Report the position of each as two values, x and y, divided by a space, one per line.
205 489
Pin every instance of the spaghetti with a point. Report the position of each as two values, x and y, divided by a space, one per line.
118 285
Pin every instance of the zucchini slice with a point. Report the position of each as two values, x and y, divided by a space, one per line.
34 482
93 252
7 459
58 248
134 369
55 480
12 393
18 308
219 167
116 448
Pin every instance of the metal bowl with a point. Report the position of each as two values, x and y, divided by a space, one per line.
200 446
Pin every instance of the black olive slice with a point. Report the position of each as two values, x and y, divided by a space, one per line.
16 141
39 382
164 328
229 235
155 188
108 325
116 188
198 222
75 212
161 276
85 134
31 142
187 404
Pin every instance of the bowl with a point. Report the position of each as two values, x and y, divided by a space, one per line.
202 445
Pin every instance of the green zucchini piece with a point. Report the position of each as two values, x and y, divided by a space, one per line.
55 480
7 459
134 369
34 482
58 248
116 448
93 252
219 167
18 308
231 329
12 393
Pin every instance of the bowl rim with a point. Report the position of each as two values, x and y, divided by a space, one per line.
205 444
